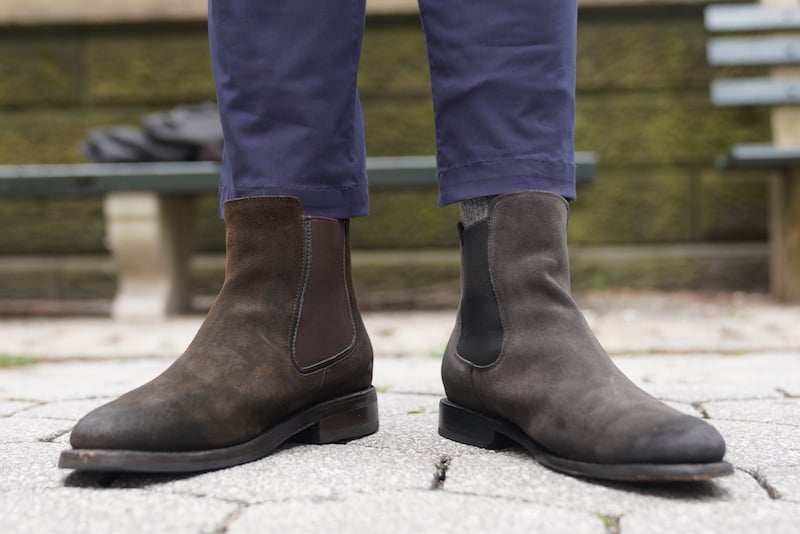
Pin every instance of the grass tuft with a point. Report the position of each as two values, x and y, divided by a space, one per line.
7 361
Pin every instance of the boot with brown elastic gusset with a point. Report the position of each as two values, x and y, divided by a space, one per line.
522 365
282 355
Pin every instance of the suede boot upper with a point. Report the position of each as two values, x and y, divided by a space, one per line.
533 361
284 334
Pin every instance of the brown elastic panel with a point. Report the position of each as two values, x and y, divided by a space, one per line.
325 324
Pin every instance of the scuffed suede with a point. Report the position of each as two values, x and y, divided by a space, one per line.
552 379
238 377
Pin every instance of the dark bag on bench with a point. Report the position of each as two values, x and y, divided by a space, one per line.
185 133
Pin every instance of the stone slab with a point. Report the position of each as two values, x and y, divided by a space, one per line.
97 337
513 474
758 446
309 472
25 430
76 380
785 481
82 511
417 375
9 407
409 423
70 410
30 467
777 517
415 512
778 411
698 377
682 324
422 334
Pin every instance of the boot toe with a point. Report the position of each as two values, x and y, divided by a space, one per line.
687 440
103 428
136 421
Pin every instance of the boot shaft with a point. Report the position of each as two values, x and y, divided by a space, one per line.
295 271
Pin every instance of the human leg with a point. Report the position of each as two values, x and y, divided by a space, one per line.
283 353
522 364
503 81
286 85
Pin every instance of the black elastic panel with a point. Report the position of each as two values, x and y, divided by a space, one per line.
481 331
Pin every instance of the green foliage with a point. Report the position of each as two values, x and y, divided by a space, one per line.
8 361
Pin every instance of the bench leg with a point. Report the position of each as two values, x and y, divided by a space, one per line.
150 238
785 237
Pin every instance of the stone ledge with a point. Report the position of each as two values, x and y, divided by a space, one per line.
410 279
47 12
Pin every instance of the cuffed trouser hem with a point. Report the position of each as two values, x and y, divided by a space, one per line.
336 203
507 175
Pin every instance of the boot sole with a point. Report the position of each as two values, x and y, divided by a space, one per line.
334 421
468 427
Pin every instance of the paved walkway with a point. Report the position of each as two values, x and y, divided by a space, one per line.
733 359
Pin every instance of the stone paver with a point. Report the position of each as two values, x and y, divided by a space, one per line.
27 430
772 517
406 478
760 445
662 322
104 510
69 410
784 481
415 512
310 472
778 411
30 466
76 380
513 475
10 407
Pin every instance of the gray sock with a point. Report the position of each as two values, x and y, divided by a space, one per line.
474 210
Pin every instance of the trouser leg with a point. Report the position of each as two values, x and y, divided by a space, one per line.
503 77
285 73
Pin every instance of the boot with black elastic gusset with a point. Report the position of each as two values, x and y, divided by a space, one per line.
522 365
282 355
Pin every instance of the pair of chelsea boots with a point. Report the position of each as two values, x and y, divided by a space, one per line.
283 356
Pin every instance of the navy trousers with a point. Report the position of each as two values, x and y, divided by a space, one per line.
503 85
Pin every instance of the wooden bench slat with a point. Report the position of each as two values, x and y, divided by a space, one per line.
751 17
198 177
733 51
759 156
755 91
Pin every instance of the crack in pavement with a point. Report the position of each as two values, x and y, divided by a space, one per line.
230 519
761 480
699 408
440 474
53 436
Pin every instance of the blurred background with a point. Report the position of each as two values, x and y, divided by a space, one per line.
657 214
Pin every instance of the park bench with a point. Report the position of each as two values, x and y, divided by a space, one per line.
766 35
149 209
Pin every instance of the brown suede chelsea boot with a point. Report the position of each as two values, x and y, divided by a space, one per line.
283 355
522 365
